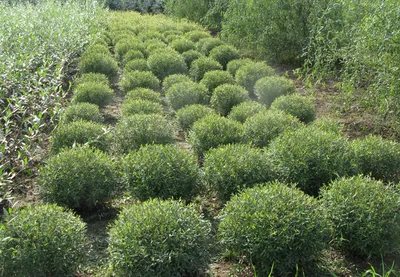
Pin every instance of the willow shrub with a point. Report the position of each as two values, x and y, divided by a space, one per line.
188 115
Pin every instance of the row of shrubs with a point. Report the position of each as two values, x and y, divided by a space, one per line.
273 226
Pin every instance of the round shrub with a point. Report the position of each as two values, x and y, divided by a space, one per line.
42 240
158 46
234 65
79 132
245 110
190 56
378 157
139 79
136 65
262 128
232 167
227 96
205 45
174 79
197 35
144 94
82 111
92 78
268 88
139 106
299 106
99 63
327 124
150 35
132 55
188 115
97 48
274 226
365 215
95 93
187 93
213 131
215 78
182 45
161 171
200 66
166 63
123 46
171 37
79 178
311 158
224 54
133 131
159 238
248 74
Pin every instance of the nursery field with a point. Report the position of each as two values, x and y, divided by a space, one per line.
159 149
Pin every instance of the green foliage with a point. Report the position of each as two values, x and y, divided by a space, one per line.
245 110
378 157
98 63
275 227
166 63
230 168
159 238
311 158
150 34
155 46
173 79
133 131
267 89
136 65
224 54
197 35
123 46
79 132
95 93
213 131
365 215
42 240
82 111
182 45
161 171
226 96
200 66
142 6
132 55
214 78
92 78
260 129
144 94
205 45
327 124
79 178
139 79
97 48
234 65
248 74
188 115
139 106
193 10
190 56
187 93
297 105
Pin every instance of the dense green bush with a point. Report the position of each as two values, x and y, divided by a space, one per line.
205 45
213 131
311 158
225 97
365 215
173 79
79 178
132 55
327 124
261 128
42 240
188 115
190 56
297 105
92 78
151 34
197 35
156 46
200 66
224 54
248 74
139 106
133 131
99 63
166 63
182 45
234 65
245 110
96 48
139 79
187 93
79 132
378 157
95 93
161 171
233 167
142 6
159 238
144 94
192 10
136 65
123 46
274 227
214 78
82 111
267 89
